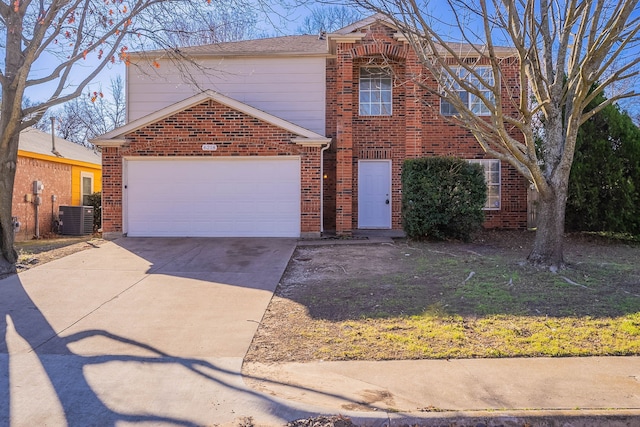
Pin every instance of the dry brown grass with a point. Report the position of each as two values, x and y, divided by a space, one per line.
453 300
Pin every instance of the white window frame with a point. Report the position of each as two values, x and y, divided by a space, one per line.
474 103
375 94
84 175
493 179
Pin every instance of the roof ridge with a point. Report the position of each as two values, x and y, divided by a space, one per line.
288 44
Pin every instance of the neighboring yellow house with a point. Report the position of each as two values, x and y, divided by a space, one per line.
69 173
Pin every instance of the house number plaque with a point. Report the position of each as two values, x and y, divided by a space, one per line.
209 147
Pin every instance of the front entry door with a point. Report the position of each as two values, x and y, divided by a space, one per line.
374 194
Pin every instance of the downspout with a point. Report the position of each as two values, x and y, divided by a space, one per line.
322 150
53 138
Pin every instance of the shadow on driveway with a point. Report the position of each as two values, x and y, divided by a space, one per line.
124 333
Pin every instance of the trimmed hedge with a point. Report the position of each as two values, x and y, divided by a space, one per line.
442 197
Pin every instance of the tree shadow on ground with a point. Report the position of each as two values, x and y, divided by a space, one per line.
486 277
66 370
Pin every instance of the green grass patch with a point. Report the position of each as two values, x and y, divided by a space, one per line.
423 337
456 300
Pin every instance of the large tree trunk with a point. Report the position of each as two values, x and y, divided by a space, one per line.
10 120
549 241
8 256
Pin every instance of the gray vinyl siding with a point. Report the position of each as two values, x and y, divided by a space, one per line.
292 88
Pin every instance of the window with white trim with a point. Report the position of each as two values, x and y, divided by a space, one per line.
86 187
492 177
473 102
375 97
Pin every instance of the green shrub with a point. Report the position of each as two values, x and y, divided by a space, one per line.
442 197
95 200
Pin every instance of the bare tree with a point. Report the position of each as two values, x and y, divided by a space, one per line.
92 114
328 18
81 38
563 50
235 21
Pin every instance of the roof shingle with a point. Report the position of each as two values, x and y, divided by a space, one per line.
286 45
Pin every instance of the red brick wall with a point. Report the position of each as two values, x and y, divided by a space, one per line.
380 137
56 178
235 134
329 163
415 129
111 190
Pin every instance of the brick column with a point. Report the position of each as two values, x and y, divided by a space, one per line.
310 203
413 108
344 140
111 192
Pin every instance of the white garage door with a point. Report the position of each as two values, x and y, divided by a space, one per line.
244 197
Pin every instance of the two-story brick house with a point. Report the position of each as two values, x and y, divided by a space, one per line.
287 136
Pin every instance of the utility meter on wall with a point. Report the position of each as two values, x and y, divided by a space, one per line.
38 187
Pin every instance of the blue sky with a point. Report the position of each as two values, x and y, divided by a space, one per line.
274 22
279 22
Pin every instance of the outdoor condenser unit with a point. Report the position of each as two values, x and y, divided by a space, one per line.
76 220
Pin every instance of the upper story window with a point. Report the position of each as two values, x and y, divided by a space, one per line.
375 92
493 179
473 102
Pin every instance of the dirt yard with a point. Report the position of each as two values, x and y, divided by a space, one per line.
32 253
411 300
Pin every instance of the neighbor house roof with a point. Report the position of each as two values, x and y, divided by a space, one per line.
287 45
35 141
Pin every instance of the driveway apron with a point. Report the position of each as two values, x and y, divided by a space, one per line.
139 330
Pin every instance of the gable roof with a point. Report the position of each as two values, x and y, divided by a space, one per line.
300 45
369 20
35 141
353 31
117 136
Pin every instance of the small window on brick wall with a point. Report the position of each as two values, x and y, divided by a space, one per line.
375 92
472 102
493 179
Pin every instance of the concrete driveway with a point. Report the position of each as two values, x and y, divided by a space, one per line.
139 330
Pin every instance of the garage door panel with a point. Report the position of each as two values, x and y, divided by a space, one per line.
214 197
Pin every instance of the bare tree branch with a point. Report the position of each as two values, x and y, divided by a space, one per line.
83 37
568 52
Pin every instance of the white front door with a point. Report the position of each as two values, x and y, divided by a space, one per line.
374 194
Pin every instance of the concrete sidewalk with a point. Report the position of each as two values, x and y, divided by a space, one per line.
154 332
588 391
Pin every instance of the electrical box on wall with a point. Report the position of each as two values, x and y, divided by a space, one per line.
38 187
15 223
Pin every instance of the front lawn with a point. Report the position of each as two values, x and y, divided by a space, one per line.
453 300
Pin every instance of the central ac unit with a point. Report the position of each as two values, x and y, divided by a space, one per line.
76 220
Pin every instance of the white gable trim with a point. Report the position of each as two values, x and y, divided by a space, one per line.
363 23
116 136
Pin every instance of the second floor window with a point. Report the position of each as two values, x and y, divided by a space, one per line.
473 102
375 92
